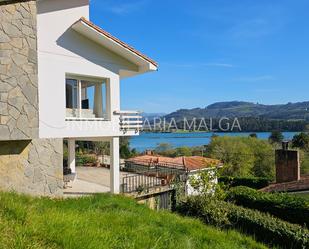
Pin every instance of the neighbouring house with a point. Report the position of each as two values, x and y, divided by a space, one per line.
59 81
187 167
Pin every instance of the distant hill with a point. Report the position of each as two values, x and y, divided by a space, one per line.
151 116
240 109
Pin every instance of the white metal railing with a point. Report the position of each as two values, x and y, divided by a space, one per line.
130 120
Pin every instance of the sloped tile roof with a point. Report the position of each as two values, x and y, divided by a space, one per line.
187 162
301 185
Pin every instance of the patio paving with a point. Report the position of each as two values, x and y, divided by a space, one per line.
90 180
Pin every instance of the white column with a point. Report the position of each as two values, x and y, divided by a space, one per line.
98 101
71 155
79 99
109 110
114 167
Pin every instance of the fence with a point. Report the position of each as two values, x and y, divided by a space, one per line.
155 168
144 177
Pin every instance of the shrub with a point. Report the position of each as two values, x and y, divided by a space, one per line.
284 206
82 159
263 227
252 182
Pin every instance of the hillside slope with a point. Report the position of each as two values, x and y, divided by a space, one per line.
103 221
290 111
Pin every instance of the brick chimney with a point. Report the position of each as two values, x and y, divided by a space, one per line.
149 152
287 164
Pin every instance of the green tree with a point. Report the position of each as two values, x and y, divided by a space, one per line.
101 148
276 137
165 149
125 150
304 162
264 158
235 155
301 141
243 156
184 151
253 135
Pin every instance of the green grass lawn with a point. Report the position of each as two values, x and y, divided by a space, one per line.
104 221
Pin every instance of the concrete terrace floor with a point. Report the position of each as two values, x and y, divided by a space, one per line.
90 180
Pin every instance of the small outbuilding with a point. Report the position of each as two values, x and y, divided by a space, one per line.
186 167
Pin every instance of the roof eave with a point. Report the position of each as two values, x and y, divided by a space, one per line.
93 32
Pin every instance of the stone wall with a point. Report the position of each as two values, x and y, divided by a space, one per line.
32 166
18 71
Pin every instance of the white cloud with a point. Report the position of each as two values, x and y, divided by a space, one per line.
255 78
219 65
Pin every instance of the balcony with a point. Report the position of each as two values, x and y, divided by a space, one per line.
130 121
86 100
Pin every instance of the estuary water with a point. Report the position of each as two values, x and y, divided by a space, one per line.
150 140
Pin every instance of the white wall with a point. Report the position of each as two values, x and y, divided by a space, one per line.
63 51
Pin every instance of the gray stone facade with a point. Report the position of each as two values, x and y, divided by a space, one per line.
18 71
32 166
27 164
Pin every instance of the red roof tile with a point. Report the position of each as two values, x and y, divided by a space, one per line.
189 163
123 44
301 185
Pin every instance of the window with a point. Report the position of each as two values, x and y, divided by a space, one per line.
71 93
86 99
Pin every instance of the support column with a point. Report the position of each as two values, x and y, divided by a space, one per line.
109 110
98 101
79 98
114 167
71 155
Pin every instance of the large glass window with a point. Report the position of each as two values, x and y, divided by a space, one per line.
71 93
86 99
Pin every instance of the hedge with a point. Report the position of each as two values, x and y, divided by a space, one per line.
251 182
82 159
282 205
262 226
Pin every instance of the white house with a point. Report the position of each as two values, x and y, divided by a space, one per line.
189 168
59 80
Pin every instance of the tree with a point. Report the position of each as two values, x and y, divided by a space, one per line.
301 141
101 148
276 137
236 156
184 151
165 149
264 158
243 156
125 150
253 135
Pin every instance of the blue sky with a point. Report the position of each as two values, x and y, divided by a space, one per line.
212 50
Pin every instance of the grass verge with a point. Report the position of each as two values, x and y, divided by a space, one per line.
104 221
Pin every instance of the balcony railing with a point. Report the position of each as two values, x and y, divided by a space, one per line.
140 183
130 120
83 115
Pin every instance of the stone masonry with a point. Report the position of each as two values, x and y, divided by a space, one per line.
32 166
18 71
27 164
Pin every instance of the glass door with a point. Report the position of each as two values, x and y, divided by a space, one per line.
72 105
